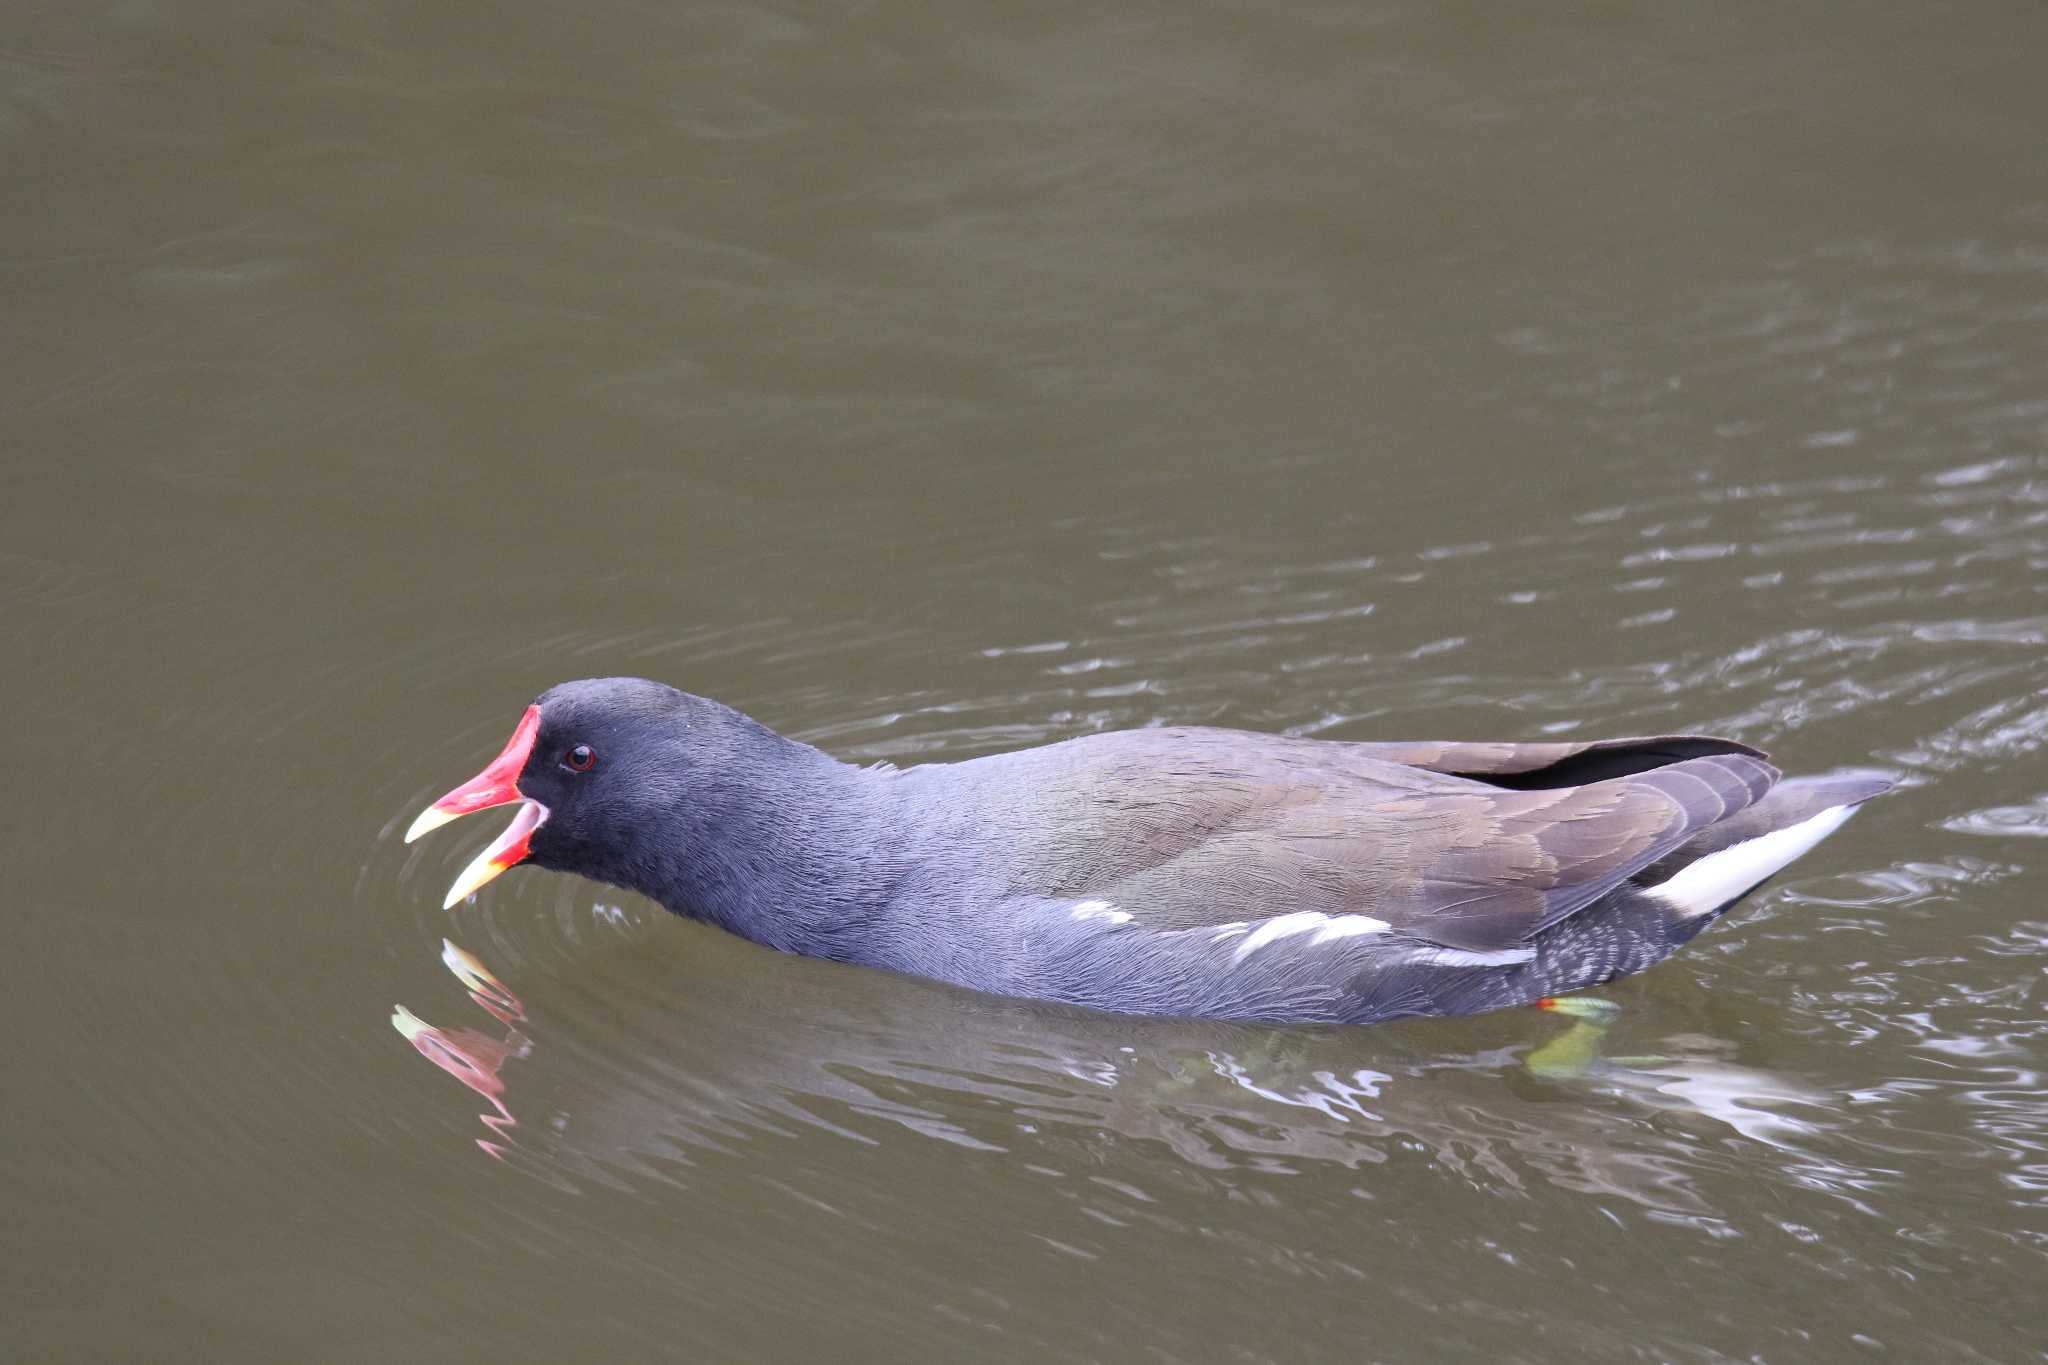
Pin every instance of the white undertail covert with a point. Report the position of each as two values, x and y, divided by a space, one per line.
1704 886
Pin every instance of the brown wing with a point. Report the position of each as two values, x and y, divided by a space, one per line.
1461 865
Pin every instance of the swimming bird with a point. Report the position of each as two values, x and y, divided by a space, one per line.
1161 871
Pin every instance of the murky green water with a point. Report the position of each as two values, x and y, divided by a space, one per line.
930 383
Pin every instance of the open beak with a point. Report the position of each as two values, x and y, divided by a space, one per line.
497 785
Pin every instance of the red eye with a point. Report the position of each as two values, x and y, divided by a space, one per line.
580 759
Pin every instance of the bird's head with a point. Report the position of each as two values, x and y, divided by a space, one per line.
589 765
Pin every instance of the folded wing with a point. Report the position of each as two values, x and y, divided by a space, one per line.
1458 863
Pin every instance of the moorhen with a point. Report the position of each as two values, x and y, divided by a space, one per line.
1168 871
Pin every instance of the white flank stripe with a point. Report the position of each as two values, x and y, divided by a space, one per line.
1101 910
1348 926
1301 922
1464 957
1705 886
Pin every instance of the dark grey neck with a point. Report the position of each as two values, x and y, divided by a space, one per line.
779 842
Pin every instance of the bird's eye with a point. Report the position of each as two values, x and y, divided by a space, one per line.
580 759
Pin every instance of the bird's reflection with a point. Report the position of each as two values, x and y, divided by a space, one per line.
474 1058
664 1074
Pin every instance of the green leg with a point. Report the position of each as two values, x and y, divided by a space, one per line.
1576 1051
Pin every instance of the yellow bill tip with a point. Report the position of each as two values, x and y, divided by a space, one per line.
507 849
467 885
472 879
430 819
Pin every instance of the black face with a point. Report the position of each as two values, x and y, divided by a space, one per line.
610 758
